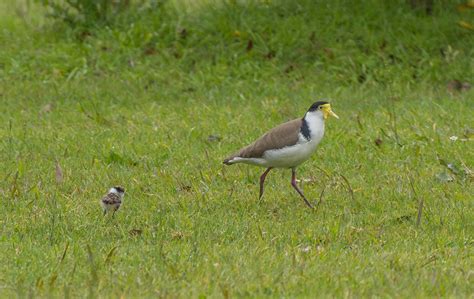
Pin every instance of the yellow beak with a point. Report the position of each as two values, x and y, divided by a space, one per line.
333 114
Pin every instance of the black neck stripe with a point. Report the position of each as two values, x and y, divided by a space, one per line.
305 130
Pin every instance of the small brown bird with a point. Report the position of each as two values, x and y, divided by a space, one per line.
112 200
287 145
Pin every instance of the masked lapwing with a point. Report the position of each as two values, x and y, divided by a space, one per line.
287 145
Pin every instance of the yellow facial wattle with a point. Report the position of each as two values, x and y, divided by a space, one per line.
326 108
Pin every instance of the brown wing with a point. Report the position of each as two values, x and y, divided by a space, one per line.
111 199
283 135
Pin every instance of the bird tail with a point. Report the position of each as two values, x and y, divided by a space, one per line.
230 160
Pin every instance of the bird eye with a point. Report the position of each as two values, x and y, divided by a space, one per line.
320 107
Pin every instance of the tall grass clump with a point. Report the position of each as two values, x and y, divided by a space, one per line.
92 13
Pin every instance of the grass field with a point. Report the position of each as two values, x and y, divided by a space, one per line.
156 101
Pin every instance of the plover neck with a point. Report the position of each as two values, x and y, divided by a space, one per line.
313 125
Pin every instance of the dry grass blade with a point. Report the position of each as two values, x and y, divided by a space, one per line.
90 258
53 279
64 253
324 171
394 127
135 232
59 173
349 188
420 211
420 203
412 186
47 108
14 188
110 254
321 195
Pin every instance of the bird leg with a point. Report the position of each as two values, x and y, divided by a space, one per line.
105 212
293 183
262 181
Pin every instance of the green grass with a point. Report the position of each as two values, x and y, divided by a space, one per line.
135 103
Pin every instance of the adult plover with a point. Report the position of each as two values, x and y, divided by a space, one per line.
287 145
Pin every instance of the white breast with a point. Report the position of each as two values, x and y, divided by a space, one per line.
292 156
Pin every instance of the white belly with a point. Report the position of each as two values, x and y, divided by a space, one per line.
290 156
